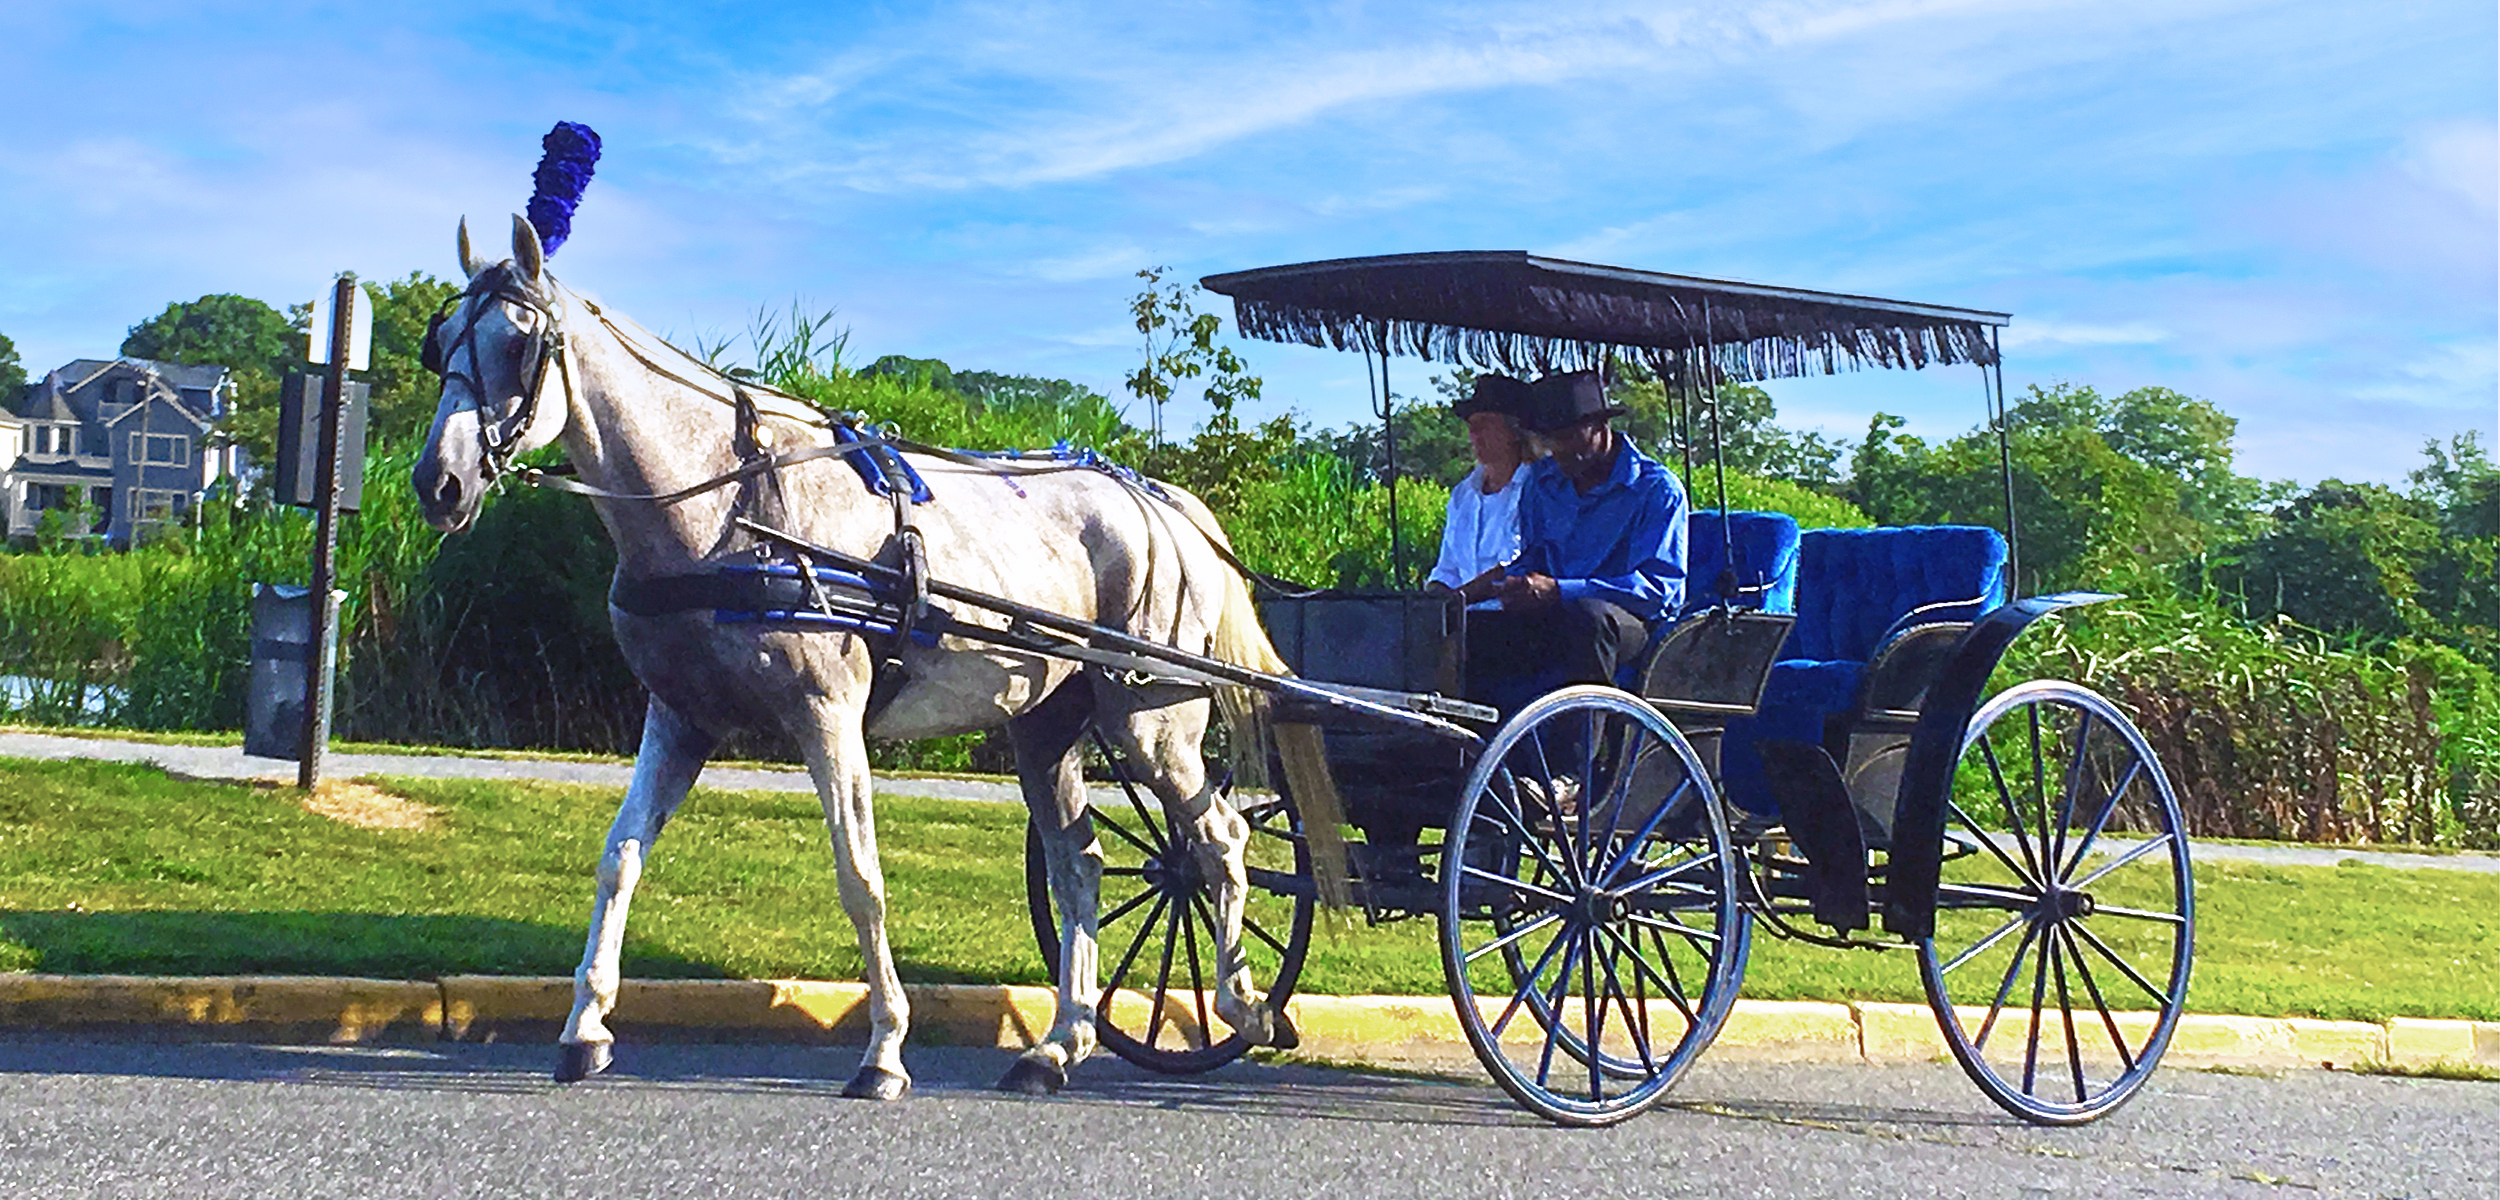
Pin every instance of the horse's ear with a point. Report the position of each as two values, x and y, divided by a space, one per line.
469 265
528 257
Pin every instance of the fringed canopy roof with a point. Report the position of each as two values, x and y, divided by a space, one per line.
1507 310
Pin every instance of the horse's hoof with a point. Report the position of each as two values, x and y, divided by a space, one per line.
1034 1077
877 1083
576 1061
1281 1035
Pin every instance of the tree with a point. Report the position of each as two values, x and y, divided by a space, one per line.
404 393
2342 557
254 341
1181 344
12 375
2126 492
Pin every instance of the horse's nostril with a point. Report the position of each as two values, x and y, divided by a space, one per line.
447 490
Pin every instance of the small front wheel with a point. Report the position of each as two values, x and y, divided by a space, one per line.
2059 965
1590 932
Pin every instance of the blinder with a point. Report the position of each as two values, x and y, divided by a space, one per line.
543 348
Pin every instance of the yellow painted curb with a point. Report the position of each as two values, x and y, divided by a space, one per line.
2415 1042
484 1008
1788 1031
274 1008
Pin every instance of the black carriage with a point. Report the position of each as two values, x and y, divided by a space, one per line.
1809 747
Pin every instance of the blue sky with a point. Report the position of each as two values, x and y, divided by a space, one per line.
2286 208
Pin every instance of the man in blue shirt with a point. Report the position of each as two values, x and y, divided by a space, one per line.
1601 554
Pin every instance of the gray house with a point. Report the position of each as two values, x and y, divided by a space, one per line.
132 437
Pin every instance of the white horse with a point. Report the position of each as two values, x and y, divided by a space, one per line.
526 362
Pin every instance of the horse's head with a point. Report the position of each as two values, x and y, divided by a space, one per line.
498 349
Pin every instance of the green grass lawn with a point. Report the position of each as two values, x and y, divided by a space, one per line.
115 868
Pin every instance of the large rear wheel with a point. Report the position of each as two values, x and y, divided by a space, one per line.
1590 933
2064 934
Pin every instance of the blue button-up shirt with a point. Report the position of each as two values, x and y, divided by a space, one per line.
1622 542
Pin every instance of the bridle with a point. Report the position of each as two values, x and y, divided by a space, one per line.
497 439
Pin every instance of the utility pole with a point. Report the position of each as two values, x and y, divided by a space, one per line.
344 349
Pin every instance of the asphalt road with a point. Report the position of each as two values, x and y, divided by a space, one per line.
82 1118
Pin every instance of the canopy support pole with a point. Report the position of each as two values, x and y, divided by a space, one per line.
1992 379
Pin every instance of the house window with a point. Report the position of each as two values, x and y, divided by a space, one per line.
157 506
160 449
92 443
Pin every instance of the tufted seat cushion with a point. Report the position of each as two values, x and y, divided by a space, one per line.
1852 585
1766 572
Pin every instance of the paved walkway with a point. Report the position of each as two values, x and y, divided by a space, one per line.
229 762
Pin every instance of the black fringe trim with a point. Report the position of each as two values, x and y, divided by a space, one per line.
1746 344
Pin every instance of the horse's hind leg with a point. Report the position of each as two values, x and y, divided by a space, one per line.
1049 743
1166 738
830 735
672 754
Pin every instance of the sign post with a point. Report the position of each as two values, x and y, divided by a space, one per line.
341 341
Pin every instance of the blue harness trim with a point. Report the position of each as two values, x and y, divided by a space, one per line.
873 467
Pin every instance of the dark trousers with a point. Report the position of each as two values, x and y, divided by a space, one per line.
1512 656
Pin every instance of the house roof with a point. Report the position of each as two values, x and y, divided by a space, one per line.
79 372
197 420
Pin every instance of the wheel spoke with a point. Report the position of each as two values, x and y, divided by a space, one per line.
1106 820
1592 1014
2139 850
2039 993
2083 846
1655 879
1631 847
2072 787
2139 914
1635 1007
2066 1013
1250 925
1988 840
1521 884
2159 996
2039 786
1510 811
1679 928
1163 977
1514 937
2083 971
1197 977
1618 792
1125 907
1674 992
2005 986
1981 946
2013 814
1145 929
1552 1008
1526 985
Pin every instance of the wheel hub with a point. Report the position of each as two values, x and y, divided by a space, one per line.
1595 907
2065 904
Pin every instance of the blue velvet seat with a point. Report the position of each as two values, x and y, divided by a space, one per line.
1853 586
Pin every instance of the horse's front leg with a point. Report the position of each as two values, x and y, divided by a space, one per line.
672 754
1049 762
1168 737
837 758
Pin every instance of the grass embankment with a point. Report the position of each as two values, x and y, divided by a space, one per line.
114 868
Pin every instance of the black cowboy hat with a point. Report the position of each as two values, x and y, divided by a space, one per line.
1494 393
1568 399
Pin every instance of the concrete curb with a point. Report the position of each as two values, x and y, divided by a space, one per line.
486 1008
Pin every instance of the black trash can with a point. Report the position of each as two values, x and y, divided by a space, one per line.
282 658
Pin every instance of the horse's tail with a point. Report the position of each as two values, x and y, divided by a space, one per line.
1241 640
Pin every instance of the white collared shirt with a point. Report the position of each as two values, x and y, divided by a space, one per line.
1482 531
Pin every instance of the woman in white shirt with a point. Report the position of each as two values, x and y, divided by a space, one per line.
1481 535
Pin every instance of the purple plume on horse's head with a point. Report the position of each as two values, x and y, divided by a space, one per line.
563 171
